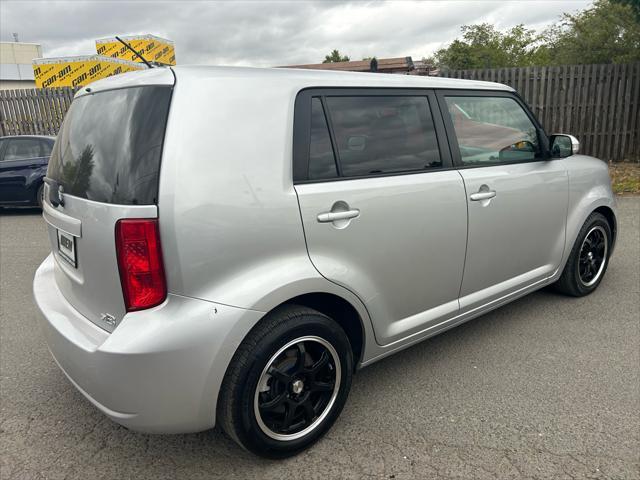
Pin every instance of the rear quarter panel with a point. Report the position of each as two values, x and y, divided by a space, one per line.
229 216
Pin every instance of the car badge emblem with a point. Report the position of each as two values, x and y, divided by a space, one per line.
108 319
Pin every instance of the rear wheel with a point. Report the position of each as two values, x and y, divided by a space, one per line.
287 383
40 195
589 258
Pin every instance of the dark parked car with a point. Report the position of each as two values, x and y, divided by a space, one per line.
23 165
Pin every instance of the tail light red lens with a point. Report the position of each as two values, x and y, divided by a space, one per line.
140 263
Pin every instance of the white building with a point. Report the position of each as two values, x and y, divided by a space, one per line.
16 70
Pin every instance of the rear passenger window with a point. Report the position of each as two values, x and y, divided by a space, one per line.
379 134
322 164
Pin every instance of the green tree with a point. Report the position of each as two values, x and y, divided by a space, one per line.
335 56
431 60
482 46
608 32
634 4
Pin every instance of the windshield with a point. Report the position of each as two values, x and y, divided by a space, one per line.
110 145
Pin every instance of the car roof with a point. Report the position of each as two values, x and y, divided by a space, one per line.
307 78
296 78
41 137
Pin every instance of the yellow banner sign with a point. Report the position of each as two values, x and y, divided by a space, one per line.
78 71
152 48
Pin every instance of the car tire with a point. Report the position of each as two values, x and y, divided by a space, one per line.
287 383
40 196
588 259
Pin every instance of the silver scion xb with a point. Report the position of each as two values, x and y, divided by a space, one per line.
228 245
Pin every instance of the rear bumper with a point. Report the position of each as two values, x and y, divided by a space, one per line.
159 371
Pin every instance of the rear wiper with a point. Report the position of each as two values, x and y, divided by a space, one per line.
144 60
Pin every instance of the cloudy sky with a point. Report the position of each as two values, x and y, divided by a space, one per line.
265 33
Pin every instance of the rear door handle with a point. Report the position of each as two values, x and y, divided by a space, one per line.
335 216
484 195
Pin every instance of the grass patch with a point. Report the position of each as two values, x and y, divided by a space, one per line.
625 178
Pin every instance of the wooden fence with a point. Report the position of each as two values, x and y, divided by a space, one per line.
33 111
599 104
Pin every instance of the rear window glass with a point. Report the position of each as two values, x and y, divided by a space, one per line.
110 145
383 134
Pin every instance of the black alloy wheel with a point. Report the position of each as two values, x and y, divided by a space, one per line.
588 259
297 388
593 253
286 383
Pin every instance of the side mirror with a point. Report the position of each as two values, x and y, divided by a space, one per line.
563 145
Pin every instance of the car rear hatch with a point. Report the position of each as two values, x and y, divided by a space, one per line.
104 168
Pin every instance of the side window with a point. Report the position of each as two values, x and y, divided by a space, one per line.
22 149
46 148
492 130
322 163
378 134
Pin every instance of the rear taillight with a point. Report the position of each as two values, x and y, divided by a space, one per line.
140 263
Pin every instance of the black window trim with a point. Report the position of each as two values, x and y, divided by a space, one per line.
334 145
302 130
441 94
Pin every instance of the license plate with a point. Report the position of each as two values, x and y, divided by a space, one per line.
67 247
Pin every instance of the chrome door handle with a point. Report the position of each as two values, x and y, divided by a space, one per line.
484 195
334 216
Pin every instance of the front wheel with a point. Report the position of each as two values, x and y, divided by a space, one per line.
287 382
588 259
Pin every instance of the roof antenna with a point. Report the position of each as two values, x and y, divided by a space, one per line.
136 53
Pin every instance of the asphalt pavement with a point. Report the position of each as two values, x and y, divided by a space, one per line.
546 387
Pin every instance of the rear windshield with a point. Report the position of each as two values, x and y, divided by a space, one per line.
110 145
